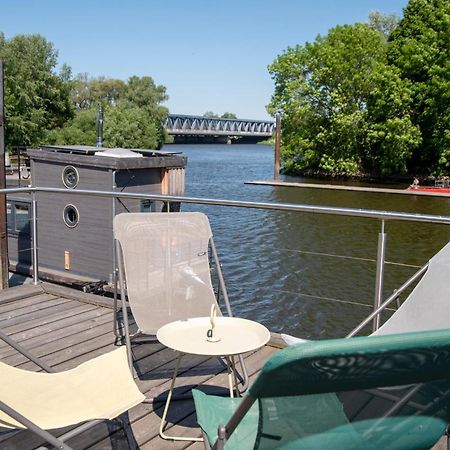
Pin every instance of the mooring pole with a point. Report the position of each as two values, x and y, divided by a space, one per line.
276 169
4 269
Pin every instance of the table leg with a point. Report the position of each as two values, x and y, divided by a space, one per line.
232 379
166 409
235 376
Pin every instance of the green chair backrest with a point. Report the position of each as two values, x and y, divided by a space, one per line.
357 363
367 392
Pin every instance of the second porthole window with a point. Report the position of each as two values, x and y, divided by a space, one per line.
71 216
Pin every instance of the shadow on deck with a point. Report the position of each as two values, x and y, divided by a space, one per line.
66 327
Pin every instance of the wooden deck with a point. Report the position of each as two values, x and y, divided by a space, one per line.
66 327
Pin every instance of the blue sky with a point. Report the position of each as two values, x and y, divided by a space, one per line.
211 55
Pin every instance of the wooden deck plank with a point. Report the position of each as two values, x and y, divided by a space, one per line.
68 358
86 327
19 292
79 296
61 323
277 341
63 311
36 315
39 303
25 302
60 344
196 446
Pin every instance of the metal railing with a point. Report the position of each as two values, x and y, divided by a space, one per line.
382 216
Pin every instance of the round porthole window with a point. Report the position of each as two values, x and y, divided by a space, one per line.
71 216
70 177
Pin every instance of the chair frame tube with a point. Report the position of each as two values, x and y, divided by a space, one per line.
389 300
4 337
224 432
124 306
58 443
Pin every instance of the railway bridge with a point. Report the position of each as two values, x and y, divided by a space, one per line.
186 128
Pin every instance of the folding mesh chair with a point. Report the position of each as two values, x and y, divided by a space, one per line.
100 389
164 271
325 394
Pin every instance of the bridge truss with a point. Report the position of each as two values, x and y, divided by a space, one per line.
179 125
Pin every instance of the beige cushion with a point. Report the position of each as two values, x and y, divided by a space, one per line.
102 388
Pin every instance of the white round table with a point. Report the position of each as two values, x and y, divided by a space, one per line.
230 336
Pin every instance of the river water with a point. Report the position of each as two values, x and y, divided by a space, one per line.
310 275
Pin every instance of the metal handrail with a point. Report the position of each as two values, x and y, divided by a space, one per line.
353 212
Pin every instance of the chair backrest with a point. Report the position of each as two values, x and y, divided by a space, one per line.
323 392
165 259
428 305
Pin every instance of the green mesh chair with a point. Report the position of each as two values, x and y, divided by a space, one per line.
378 392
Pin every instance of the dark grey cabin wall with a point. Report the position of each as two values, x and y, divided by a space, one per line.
90 242
143 181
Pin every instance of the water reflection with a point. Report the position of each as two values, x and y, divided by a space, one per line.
273 272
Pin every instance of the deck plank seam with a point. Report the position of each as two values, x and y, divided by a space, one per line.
55 337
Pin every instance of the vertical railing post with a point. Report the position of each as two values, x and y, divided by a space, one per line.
379 279
276 167
4 269
35 238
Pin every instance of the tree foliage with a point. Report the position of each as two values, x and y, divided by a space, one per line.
419 48
211 115
37 99
384 23
330 92
133 115
228 115
225 115
42 105
369 98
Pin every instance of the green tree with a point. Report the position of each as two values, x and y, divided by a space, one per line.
82 130
325 90
37 99
133 114
211 115
132 127
384 23
419 48
89 92
228 115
